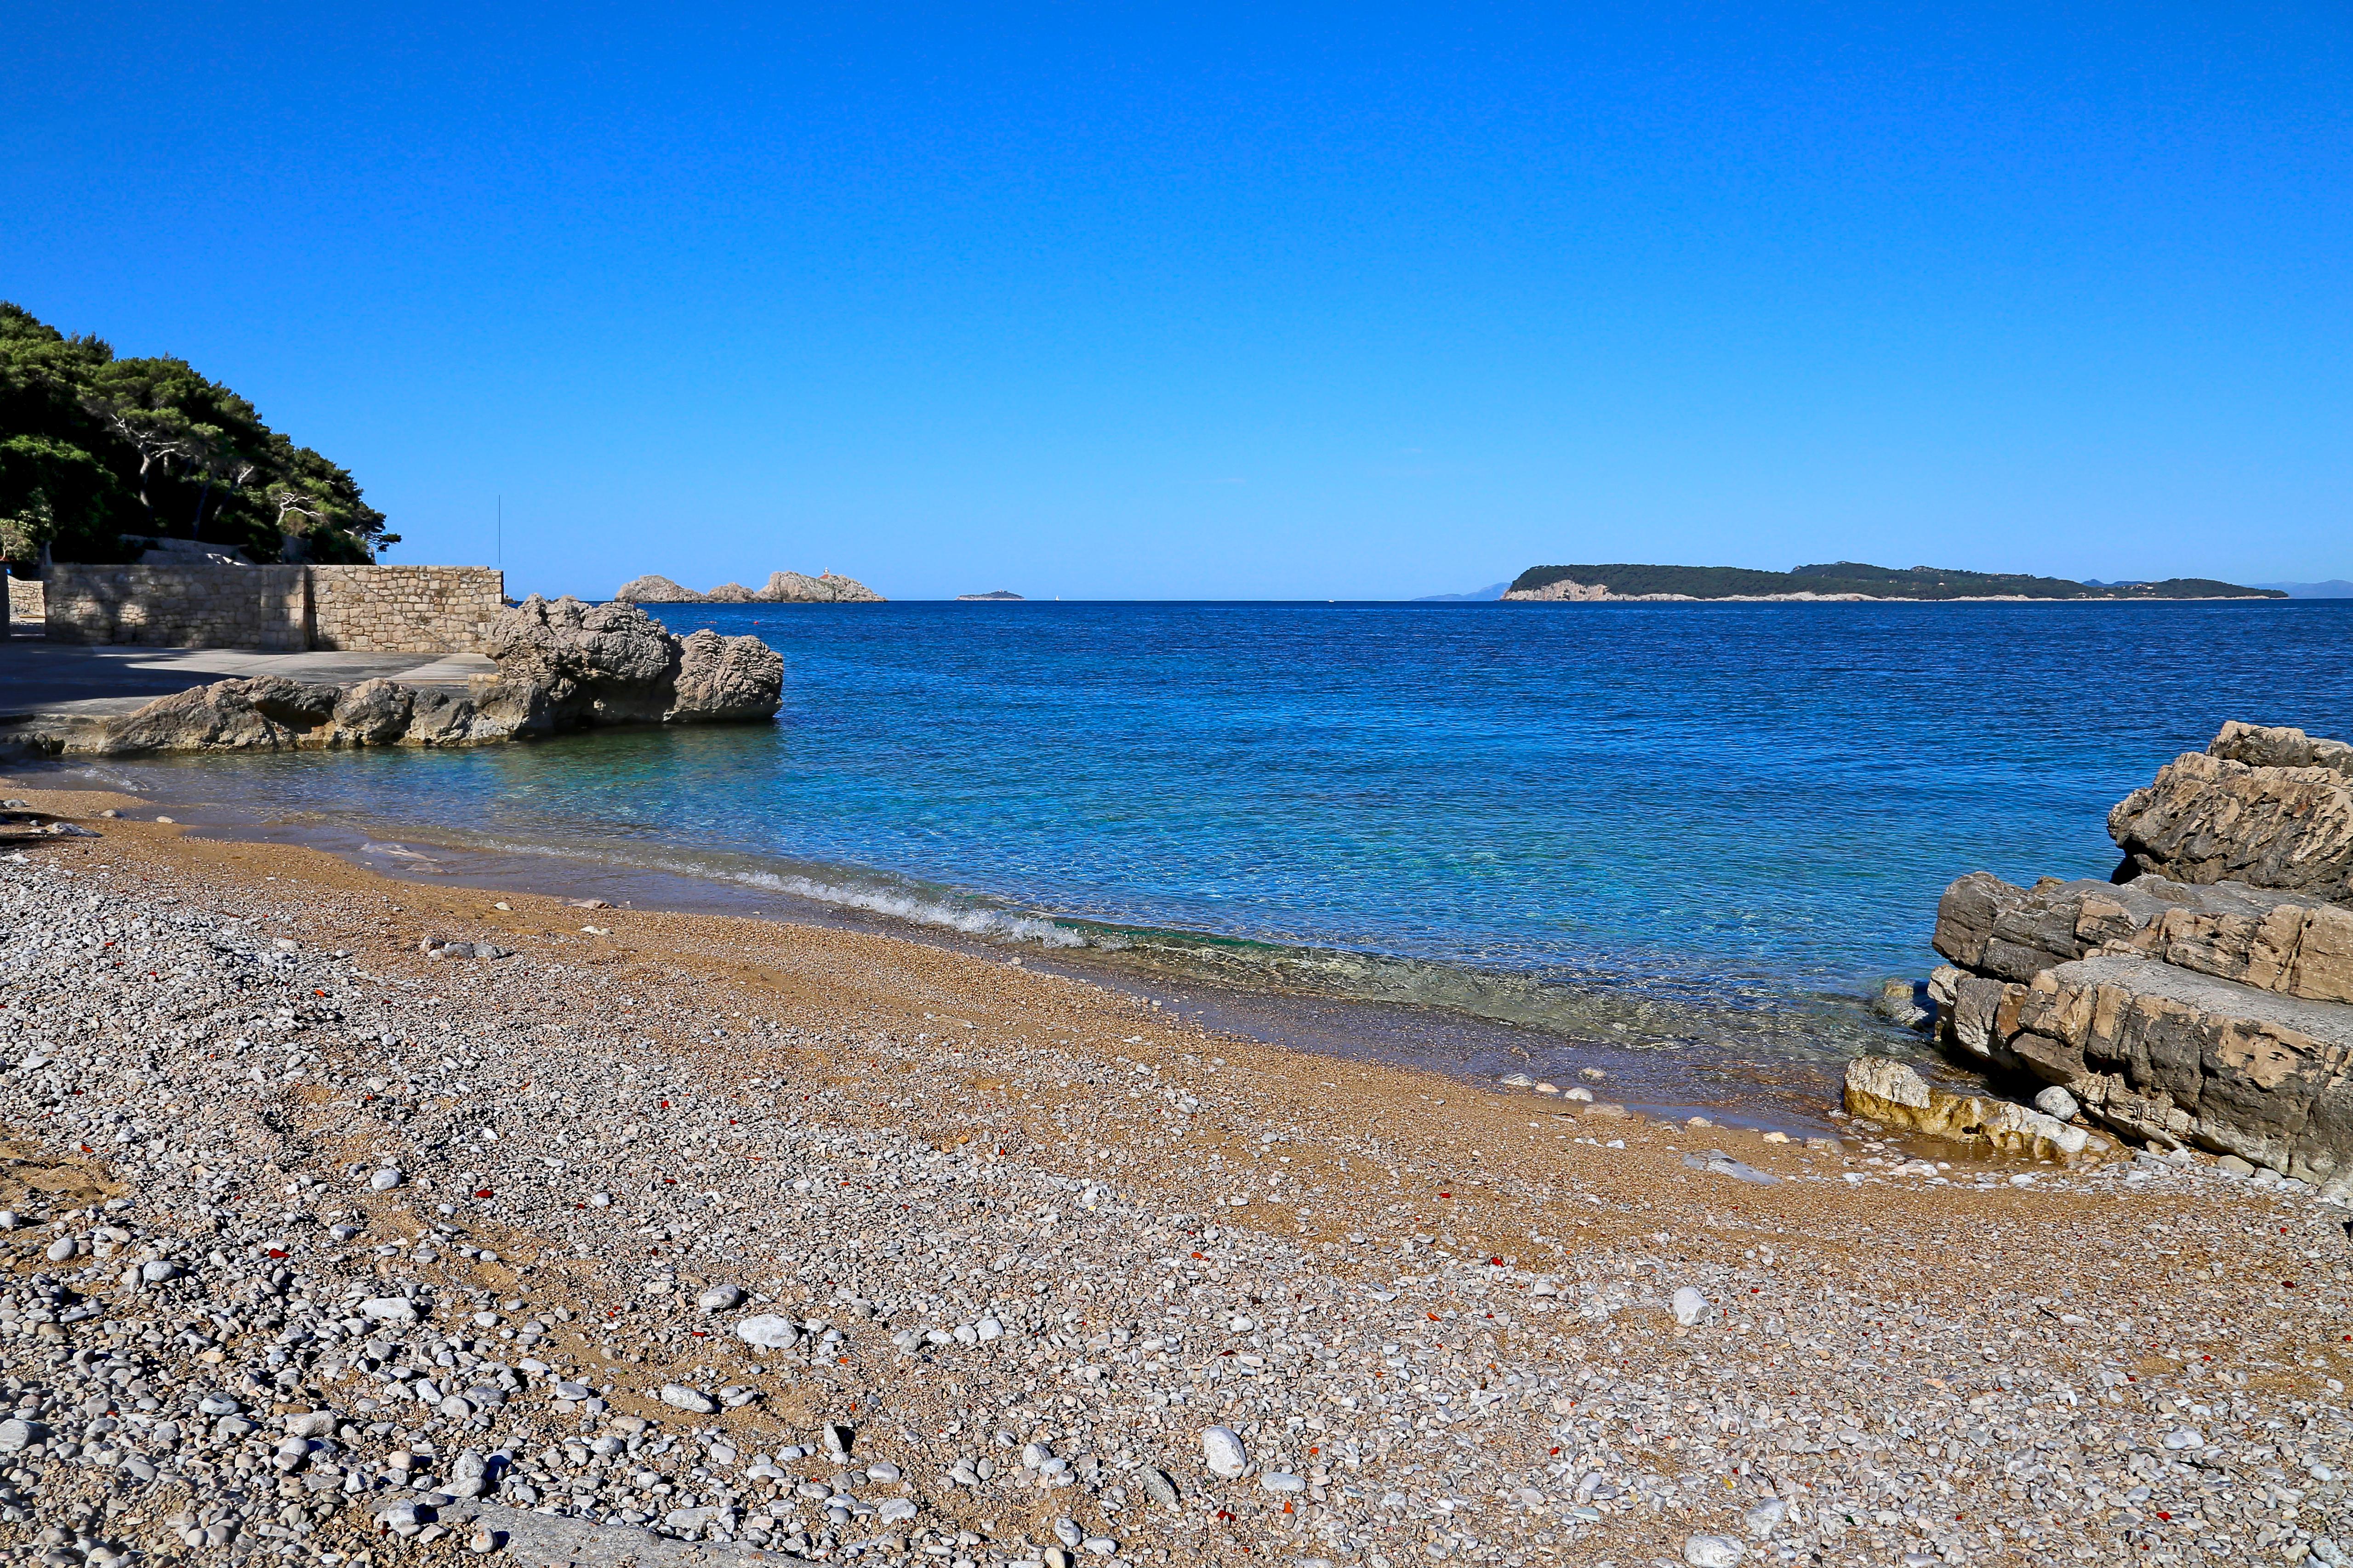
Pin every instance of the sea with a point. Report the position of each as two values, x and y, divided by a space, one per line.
1690 842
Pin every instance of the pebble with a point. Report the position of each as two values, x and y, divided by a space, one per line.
1688 1305
769 1331
1222 1450
1712 1552
680 1397
1766 1518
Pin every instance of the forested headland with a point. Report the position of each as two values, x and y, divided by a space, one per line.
101 455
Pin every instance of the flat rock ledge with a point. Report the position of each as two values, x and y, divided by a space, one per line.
562 664
2205 997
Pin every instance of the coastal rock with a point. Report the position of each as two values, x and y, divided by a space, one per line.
566 665
2288 943
2264 746
731 594
2201 998
654 590
1891 1093
2275 822
2163 1053
372 713
825 588
438 717
221 717
722 678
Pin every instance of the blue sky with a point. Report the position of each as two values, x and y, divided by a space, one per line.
1116 301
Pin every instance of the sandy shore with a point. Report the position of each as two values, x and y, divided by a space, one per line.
1034 1211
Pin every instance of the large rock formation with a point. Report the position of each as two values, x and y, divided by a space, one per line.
2205 997
653 590
825 588
2270 807
562 664
783 588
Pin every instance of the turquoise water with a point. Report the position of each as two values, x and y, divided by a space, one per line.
1670 822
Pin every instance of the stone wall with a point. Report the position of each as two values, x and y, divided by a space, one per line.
27 604
181 606
283 609
405 609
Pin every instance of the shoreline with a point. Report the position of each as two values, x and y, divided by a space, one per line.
1674 1074
1442 1321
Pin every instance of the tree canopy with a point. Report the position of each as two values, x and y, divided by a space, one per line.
99 455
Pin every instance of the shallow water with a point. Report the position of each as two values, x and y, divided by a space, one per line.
1713 825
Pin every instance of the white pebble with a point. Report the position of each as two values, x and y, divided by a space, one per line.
1224 1453
769 1331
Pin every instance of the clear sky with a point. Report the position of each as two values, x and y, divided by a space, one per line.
1260 301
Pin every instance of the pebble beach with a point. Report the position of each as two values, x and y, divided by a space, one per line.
351 1221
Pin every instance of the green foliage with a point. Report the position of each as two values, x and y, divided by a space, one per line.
1876 582
99 455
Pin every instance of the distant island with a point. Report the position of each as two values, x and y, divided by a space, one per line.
1001 596
783 588
1843 580
2335 588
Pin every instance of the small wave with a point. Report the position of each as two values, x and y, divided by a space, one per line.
970 919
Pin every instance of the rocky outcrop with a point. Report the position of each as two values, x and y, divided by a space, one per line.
2273 808
2258 936
782 588
562 664
825 588
2206 996
723 679
2164 1054
653 590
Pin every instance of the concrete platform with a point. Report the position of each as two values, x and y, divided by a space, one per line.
40 679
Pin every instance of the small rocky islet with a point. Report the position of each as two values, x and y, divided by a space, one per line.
350 1221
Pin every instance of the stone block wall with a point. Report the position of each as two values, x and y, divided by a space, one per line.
405 609
282 609
27 604
263 608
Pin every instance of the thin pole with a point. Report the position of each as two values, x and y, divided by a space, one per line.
500 547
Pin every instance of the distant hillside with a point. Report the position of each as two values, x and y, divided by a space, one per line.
1487 595
1845 580
2335 588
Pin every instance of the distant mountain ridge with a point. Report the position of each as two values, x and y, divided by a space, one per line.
1844 580
1487 595
2335 588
